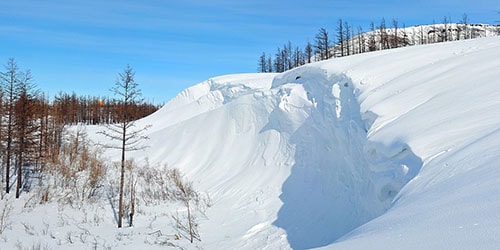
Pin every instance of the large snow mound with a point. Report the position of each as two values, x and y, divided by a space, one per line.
404 140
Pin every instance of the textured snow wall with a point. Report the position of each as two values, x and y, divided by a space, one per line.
339 180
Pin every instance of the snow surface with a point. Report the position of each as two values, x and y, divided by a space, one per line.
394 149
404 140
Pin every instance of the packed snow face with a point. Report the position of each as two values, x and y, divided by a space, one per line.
339 180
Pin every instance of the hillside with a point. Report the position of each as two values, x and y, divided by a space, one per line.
394 149
299 159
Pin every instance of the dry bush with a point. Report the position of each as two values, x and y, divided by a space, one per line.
161 185
76 175
5 214
187 224
130 191
155 185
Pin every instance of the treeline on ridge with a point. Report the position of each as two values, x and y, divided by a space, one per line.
350 40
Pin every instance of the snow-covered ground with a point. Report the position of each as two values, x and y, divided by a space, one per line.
395 149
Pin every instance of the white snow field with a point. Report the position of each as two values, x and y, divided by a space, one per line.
395 149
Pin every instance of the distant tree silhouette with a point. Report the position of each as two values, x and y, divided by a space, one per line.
263 63
340 36
384 38
347 37
323 44
372 43
395 37
378 38
361 40
465 20
308 52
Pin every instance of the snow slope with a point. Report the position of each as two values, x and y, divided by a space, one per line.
404 140
443 101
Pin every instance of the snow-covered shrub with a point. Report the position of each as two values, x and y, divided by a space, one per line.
5 214
77 174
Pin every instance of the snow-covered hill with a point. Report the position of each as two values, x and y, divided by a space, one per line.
394 149
404 140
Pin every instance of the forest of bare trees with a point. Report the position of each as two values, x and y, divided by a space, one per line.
46 155
348 40
32 126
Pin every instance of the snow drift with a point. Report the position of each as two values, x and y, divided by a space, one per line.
392 149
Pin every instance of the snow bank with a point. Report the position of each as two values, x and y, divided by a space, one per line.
394 149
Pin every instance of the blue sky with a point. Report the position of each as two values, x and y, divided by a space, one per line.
81 46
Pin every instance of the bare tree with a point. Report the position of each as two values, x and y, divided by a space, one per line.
297 57
372 44
353 44
278 61
269 64
465 20
395 39
421 36
288 55
26 127
308 52
262 63
432 33
10 82
125 132
2 148
361 40
444 32
132 189
42 116
347 37
384 40
323 44
406 40
340 36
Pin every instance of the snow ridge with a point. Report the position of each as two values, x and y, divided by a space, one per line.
293 145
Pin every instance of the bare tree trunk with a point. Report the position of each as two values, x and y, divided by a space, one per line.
122 177
19 170
133 183
190 222
132 208
10 121
7 166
